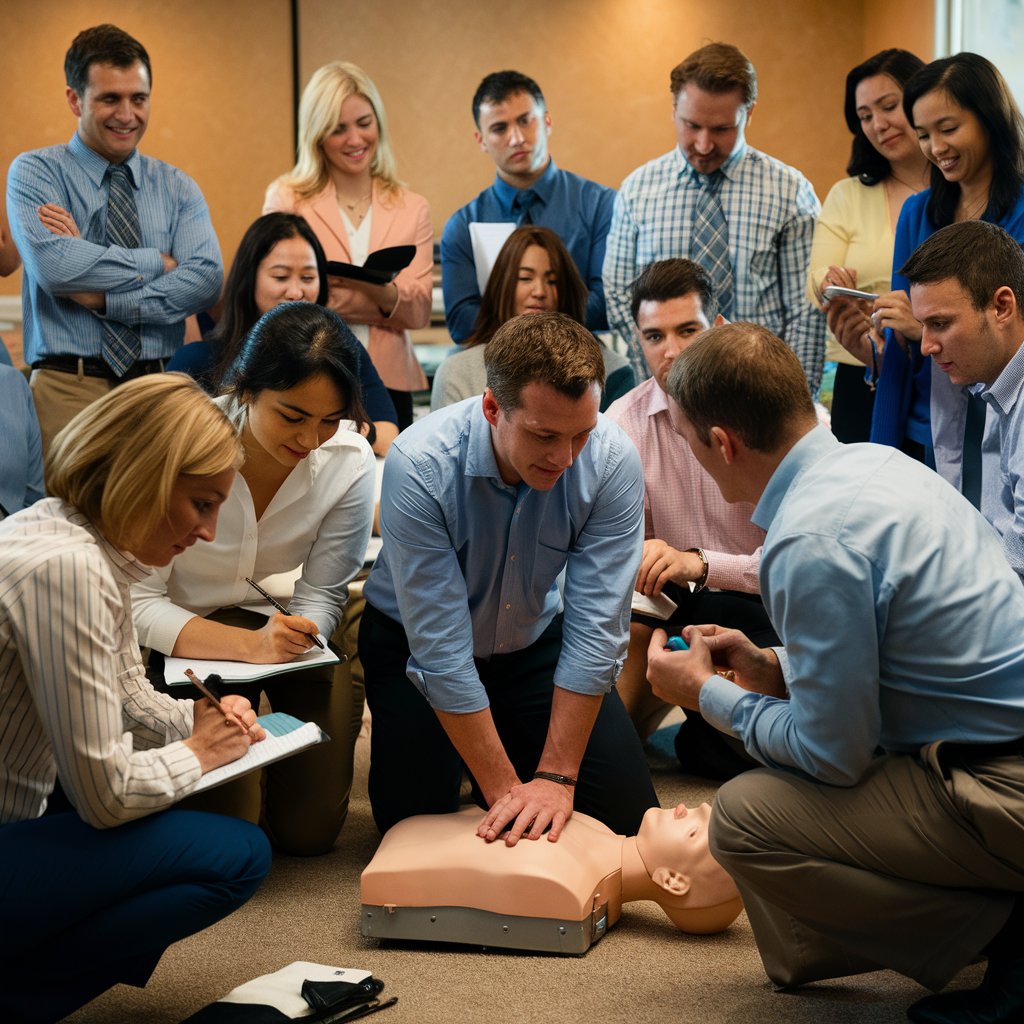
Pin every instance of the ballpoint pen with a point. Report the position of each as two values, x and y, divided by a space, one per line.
281 608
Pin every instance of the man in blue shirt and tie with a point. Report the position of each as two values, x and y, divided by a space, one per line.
118 248
967 290
512 128
886 829
474 655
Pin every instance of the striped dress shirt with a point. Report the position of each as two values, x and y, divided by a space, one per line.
74 698
770 208
682 504
173 219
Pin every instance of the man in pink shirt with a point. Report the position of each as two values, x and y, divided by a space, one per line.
699 550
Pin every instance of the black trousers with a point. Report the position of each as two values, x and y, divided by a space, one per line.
415 769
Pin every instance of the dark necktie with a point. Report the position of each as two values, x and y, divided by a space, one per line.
121 345
709 241
970 471
523 204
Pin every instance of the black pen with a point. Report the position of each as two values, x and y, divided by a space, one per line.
281 608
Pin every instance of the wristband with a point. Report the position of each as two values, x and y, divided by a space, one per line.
699 585
562 780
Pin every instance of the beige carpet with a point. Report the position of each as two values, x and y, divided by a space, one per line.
642 971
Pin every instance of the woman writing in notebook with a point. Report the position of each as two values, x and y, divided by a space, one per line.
345 184
96 889
302 502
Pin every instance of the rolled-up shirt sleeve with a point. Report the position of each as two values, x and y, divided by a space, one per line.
831 725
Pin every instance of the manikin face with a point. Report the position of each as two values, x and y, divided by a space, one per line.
537 442
666 328
351 145
673 844
953 139
288 273
879 101
113 111
192 516
961 340
514 134
536 284
709 126
288 425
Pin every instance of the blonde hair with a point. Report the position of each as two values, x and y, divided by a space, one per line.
118 460
319 110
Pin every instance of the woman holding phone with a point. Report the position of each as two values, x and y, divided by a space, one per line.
969 128
854 236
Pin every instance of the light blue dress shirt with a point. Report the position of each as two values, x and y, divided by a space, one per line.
469 563
21 449
1002 491
173 219
902 622
578 210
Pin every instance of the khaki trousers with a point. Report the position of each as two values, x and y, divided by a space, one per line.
60 397
302 801
914 869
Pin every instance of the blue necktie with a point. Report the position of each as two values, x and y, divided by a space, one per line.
709 241
122 346
523 204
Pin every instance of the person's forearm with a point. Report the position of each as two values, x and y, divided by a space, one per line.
204 638
476 739
572 719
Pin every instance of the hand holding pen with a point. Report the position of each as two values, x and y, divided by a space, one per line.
284 611
222 730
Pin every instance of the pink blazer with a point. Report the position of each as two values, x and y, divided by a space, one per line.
400 220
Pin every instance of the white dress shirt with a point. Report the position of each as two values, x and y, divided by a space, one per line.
319 519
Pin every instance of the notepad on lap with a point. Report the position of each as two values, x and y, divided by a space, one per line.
285 736
241 671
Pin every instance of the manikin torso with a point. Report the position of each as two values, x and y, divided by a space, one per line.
438 861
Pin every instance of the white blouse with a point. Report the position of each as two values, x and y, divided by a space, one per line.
320 519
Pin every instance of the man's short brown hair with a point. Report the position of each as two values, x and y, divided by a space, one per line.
550 348
740 376
979 256
717 68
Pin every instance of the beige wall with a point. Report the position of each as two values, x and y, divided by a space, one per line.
222 94
604 67
222 80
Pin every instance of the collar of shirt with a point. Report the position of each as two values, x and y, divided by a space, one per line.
96 167
126 568
730 169
815 444
1006 389
543 187
480 457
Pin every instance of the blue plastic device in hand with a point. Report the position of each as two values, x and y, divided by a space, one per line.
676 643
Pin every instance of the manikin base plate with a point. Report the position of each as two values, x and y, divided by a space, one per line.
473 927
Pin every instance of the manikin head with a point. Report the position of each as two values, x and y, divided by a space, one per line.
696 892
